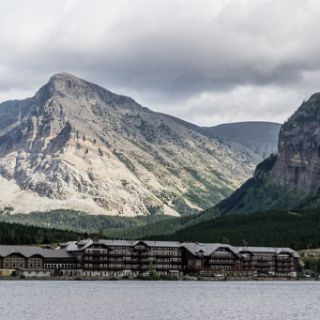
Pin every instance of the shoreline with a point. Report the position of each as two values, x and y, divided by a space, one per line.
184 279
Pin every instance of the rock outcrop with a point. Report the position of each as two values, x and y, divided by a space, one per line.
298 161
290 179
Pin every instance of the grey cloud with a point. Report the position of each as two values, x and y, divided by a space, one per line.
189 58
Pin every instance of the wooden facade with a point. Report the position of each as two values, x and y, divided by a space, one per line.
222 259
119 258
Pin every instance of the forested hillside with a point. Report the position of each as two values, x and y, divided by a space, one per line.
13 234
298 230
79 221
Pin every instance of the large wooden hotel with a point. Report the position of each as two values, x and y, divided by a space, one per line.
126 258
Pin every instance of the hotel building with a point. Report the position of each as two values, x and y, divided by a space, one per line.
120 258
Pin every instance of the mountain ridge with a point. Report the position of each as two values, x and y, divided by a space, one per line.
261 137
77 145
279 204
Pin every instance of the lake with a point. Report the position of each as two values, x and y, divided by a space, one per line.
143 300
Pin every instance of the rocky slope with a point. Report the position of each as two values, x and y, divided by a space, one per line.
77 145
290 179
260 137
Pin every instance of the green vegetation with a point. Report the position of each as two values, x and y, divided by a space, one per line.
125 160
259 194
297 230
311 264
14 234
78 221
108 226
163 227
167 226
311 261
208 191
180 206
266 165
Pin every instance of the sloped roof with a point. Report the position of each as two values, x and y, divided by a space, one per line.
29 251
161 244
288 250
206 248
192 247
75 245
269 250
83 244
122 243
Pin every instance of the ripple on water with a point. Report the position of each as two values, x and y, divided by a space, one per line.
136 300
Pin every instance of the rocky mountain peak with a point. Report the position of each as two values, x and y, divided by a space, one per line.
64 76
309 111
65 84
77 145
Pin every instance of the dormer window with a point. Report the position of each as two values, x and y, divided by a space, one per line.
199 253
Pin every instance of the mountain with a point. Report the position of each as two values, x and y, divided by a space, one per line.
259 137
279 205
77 145
291 178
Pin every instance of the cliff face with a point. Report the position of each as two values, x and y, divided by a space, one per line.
77 145
298 160
290 179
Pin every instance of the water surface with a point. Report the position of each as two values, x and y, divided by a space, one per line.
143 300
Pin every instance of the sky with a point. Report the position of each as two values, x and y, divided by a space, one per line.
205 61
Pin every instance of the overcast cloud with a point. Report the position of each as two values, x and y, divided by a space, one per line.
205 61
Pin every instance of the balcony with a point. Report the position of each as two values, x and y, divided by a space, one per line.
95 260
119 254
222 261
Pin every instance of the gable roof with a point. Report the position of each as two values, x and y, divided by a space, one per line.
119 243
161 244
29 251
192 247
206 248
269 250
